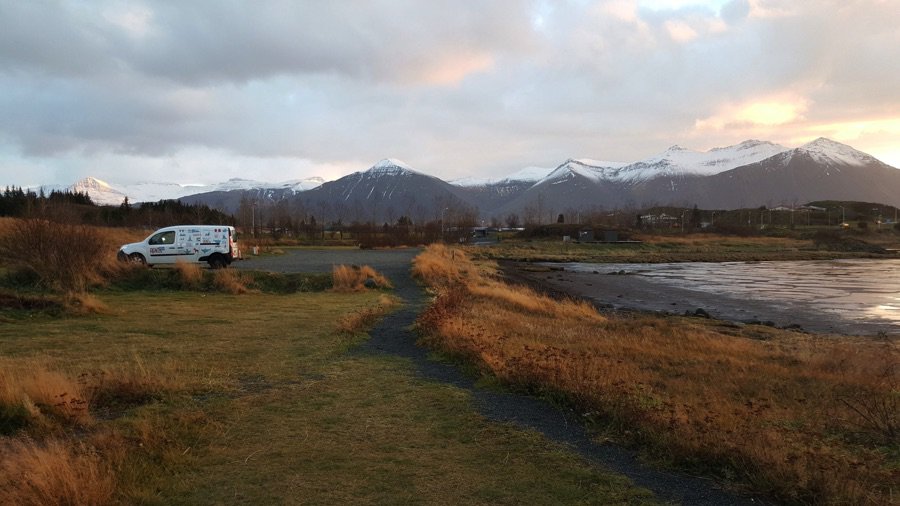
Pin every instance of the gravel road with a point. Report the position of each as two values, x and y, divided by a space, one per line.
393 336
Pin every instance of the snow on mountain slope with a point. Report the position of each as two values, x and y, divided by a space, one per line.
593 170
154 191
678 161
392 163
104 193
528 174
101 192
386 175
301 185
389 167
829 152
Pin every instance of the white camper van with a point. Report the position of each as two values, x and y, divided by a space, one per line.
214 244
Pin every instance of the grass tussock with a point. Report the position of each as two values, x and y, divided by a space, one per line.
362 319
83 304
451 269
38 398
800 418
56 442
190 274
53 472
352 278
231 281
34 396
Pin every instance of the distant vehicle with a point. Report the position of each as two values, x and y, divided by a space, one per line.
213 244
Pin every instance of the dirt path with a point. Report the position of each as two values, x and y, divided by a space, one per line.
394 336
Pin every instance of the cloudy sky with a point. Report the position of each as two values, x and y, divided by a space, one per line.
204 90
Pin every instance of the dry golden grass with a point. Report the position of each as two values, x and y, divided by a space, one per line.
231 281
446 268
440 265
54 450
353 279
360 320
801 418
53 472
83 304
39 397
191 275
33 394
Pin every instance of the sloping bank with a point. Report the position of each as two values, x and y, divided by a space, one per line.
800 419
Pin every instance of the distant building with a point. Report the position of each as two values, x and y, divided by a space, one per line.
659 220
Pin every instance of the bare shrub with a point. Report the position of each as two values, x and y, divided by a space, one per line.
874 409
53 472
355 279
67 258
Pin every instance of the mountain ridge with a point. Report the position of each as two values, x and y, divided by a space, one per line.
737 175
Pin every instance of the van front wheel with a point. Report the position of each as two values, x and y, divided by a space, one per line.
137 258
217 262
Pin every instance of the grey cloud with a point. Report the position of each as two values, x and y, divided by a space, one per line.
326 81
735 11
207 41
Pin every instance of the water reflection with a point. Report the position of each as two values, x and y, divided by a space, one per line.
856 290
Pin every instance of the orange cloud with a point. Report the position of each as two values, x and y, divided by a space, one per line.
451 70
763 112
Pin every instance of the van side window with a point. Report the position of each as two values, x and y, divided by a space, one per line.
163 238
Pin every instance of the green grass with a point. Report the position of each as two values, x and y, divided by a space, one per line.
694 247
272 409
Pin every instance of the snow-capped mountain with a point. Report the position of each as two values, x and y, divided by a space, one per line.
103 193
752 173
820 170
830 153
236 183
583 168
100 192
526 175
383 193
492 193
749 174
386 176
677 161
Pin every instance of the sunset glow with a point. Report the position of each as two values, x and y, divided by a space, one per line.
454 88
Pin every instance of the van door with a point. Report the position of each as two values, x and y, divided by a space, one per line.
186 242
162 248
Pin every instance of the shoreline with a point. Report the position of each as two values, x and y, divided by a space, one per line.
628 293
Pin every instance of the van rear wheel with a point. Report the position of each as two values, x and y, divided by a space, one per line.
217 262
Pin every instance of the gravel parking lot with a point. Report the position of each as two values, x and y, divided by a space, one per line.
393 263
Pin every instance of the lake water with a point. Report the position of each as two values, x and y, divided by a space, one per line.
866 292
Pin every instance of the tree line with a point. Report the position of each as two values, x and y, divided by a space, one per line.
65 206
